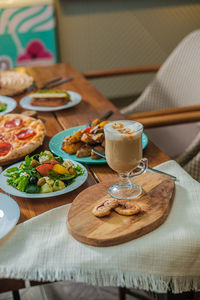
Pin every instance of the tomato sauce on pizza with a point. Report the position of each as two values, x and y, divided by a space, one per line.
5 148
13 123
25 133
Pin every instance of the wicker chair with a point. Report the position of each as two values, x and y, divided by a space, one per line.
172 98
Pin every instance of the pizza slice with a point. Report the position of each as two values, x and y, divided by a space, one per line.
19 136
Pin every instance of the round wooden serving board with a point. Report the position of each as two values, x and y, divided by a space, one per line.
155 201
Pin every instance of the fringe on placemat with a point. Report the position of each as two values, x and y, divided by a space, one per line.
147 282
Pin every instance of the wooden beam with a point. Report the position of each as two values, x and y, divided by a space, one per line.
166 120
162 112
121 71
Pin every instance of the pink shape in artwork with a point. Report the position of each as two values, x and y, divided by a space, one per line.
44 54
34 50
24 56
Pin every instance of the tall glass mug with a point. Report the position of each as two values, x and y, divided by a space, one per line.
123 148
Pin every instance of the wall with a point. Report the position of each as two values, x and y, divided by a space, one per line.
100 34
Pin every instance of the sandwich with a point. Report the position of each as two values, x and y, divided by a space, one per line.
51 98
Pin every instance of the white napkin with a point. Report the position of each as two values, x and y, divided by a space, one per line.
42 249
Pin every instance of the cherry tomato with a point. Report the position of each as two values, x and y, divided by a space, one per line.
88 129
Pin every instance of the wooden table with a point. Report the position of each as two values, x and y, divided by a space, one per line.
93 105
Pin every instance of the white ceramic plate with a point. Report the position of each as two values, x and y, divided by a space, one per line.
11 104
9 214
11 190
75 99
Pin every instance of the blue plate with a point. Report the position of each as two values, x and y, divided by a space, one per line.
56 144
78 181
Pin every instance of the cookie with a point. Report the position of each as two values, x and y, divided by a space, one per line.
112 203
101 211
104 208
127 208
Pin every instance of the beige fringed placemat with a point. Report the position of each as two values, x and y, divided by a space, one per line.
42 249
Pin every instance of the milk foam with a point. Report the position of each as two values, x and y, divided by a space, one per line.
112 133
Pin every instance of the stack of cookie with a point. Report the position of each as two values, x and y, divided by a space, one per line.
126 208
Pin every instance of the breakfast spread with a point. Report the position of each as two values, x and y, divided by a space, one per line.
84 140
125 208
43 173
50 98
19 136
13 83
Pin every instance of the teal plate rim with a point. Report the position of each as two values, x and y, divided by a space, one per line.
55 145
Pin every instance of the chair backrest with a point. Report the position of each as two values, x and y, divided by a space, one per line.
177 83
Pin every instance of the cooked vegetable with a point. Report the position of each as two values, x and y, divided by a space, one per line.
50 181
46 188
64 177
103 123
59 169
76 137
90 136
72 148
32 189
87 138
41 181
98 138
72 171
44 169
84 151
58 185
88 129
53 161
95 122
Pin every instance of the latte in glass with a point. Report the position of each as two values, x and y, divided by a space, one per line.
123 145
123 149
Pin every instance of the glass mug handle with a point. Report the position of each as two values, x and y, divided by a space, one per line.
143 165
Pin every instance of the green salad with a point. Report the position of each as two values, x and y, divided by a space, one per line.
43 173
3 106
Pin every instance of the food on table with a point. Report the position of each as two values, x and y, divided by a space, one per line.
104 207
123 145
43 173
111 203
126 208
50 98
84 140
94 155
71 148
84 151
19 136
75 138
3 106
12 82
